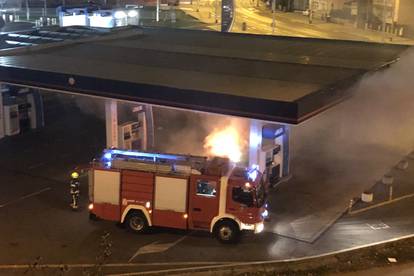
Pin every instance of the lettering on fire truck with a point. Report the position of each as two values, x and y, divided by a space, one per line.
144 189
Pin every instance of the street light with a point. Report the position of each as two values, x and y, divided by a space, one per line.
157 15
44 7
27 10
216 12
273 16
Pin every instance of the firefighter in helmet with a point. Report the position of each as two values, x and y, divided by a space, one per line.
74 190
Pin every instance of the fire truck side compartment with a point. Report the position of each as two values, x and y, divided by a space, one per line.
106 194
137 188
170 202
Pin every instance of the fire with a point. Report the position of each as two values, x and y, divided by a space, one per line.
224 142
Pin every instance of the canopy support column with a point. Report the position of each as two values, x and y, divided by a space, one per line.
111 121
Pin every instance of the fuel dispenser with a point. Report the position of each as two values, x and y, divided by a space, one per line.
275 145
21 109
11 119
129 137
135 134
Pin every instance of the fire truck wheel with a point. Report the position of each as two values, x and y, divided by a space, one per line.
227 231
137 222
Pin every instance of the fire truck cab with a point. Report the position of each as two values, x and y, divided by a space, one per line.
142 190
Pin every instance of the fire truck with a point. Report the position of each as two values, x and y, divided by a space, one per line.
142 190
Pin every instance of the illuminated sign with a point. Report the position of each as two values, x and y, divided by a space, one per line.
272 131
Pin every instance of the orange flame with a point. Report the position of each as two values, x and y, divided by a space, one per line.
224 142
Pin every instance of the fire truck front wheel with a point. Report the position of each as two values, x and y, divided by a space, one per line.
136 222
227 231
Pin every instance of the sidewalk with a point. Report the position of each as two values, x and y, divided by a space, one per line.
204 12
396 184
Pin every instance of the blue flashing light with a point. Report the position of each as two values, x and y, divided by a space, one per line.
110 153
265 214
107 156
252 173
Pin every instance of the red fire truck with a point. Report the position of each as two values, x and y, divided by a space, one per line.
142 189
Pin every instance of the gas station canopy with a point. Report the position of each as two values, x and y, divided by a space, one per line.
281 79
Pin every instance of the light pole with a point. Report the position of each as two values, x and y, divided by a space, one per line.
310 11
27 10
273 16
216 12
44 7
383 16
157 15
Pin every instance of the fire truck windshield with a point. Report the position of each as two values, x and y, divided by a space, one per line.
243 196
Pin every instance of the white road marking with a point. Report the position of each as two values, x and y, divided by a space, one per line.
378 226
155 247
25 197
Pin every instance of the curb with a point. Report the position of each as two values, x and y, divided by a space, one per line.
294 264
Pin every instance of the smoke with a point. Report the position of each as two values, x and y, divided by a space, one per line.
363 137
185 132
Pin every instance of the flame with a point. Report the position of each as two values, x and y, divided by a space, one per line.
224 142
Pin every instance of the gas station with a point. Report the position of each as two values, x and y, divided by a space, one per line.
279 86
276 82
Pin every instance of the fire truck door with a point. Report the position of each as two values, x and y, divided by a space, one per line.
203 201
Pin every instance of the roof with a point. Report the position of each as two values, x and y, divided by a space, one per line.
280 79
47 35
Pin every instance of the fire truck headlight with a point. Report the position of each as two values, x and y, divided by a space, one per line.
148 205
90 207
119 14
259 228
185 216
132 13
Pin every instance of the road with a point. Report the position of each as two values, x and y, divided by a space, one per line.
258 20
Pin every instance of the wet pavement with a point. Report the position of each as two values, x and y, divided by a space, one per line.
35 209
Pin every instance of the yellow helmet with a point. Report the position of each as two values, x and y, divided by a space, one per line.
74 175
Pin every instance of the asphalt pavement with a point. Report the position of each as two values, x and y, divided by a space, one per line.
258 20
39 231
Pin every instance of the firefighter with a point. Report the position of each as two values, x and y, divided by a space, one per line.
74 190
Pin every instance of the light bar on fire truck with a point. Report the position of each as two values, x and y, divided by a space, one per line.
110 154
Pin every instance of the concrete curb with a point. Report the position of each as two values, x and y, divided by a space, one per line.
380 204
295 264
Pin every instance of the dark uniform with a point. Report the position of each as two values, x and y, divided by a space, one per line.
74 190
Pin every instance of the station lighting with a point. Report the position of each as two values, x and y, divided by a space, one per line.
132 13
120 14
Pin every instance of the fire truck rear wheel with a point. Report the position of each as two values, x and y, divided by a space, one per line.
227 231
136 222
